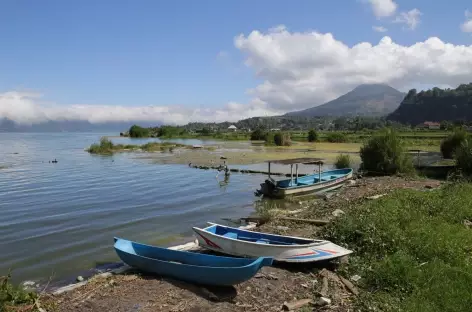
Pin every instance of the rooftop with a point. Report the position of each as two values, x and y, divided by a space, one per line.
305 161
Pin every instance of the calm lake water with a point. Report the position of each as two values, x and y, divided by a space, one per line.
61 218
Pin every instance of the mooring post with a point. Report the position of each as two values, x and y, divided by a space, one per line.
319 172
291 174
296 174
269 170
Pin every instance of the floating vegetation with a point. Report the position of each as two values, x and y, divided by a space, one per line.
107 147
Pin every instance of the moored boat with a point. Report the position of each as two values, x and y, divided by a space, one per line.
188 266
313 183
238 242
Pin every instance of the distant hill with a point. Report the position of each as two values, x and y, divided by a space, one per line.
435 105
7 125
364 100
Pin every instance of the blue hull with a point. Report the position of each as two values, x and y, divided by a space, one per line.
188 266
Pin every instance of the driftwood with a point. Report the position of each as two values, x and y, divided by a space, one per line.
349 285
311 221
324 287
292 305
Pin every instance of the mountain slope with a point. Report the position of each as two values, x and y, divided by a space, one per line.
435 105
364 100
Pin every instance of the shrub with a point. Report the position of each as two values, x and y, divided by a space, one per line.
336 137
385 153
343 161
105 147
138 132
259 134
282 139
312 136
463 157
452 142
269 138
11 296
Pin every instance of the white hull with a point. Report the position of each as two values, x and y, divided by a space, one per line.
317 250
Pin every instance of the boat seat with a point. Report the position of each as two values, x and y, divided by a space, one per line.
262 241
231 235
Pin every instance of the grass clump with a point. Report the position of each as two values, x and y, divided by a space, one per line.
282 139
412 250
105 147
12 296
385 153
342 161
452 142
312 136
463 157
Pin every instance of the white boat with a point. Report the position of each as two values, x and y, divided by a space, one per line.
237 242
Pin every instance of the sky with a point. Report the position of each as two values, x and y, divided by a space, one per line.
179 61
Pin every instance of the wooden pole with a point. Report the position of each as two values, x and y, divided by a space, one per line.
291 174
319 172
269 170
296 173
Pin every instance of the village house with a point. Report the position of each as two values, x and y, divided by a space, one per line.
232 128
431 125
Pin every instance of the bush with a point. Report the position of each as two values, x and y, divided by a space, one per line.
105 147
269 138
11 296
258 135
312 136
282 139
138 132
463 157
452 142
336 137
385 153
343 161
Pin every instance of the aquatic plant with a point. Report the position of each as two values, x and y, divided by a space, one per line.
12 296
105 147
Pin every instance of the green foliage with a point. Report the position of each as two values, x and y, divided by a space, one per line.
312 136
138 132
452 142
270 138
336 137
463 157
282 139
385 153
259 135
11 296
105 147
343 161
411 250
170 131
205 131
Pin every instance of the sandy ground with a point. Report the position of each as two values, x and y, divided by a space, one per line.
266 292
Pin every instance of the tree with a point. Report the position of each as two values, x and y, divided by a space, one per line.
445 125
312 136
282 139
138 132
258 134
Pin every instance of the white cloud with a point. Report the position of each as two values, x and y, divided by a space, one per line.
379 29
301 70
383 8
411 18
467 25
26 108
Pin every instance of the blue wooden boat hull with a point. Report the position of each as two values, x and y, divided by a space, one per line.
188 266
313 183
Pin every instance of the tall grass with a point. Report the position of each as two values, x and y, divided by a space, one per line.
342 161
412 250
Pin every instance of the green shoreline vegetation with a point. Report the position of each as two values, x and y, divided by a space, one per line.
107 147
411 249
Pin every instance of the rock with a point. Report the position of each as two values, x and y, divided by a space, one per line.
80 279
112 283
467 223
129 278
376 196
352 182
296 304
337 213
28 283
355 278
323 301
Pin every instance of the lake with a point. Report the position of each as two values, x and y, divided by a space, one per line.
60 218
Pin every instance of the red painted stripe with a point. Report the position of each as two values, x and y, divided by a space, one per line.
209 242
305 254
329 251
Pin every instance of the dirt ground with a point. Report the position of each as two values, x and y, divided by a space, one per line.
268 291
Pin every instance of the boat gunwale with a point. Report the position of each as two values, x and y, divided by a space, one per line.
320 184
255 261
315 243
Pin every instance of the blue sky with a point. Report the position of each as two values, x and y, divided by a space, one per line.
139 53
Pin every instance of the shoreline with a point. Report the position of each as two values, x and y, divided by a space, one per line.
270 289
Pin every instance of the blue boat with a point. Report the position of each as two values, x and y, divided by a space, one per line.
189 266
299 185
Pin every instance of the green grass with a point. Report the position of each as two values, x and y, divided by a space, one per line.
12 296
412 250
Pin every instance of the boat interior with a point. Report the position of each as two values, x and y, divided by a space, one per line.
256 237
310 179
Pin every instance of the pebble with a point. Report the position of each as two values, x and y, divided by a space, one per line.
337 212
80 279
355 278
323 301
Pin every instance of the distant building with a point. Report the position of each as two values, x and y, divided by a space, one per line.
232 128
431 125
